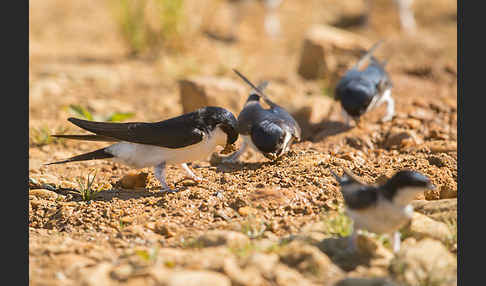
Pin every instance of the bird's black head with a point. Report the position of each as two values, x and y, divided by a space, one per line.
355 96
214 116
408 183
271 138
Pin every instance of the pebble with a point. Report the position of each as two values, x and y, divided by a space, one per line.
441 146
190 278
422 226
223 237
246 211
426 260
134 180
44 194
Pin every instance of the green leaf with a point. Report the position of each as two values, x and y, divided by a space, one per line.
80 111
120 116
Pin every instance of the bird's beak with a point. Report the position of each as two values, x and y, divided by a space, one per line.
431 186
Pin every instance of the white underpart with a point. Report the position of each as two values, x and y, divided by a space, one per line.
142 155
384 217
287 142
379 100
405 195
376 101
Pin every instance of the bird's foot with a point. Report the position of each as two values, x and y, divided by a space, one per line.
195 179
387 118
396 241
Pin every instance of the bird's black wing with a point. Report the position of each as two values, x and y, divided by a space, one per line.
358 196
176 132
281 113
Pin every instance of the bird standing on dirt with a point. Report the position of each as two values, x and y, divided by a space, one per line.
382 209
271 131
179 140
360 91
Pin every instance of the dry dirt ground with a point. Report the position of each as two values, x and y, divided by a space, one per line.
253 223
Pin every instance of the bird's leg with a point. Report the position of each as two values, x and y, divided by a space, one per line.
190 174
407 19
234 157
347 118
390 105
352 241
395 241
159 172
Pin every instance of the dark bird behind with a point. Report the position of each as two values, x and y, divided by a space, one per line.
178 140
271 131
361 90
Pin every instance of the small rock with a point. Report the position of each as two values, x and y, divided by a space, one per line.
422 226
310 261
264 262
96 275
440 146
122 272
248 276
447 192
246 211
73 262
398 139
190 278
427 260
371 248
287 276
165 229
127 219
222 237
321 43
134 180
436 161
413 123
44 194
49 180
440 210
201 91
